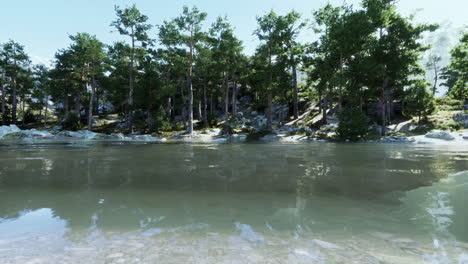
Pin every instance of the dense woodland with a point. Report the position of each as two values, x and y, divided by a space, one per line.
189 73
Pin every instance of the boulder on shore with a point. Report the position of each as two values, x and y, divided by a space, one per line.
437 134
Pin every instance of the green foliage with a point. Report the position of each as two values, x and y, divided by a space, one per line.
366 53
423 129
419 102
72 121
456 74
451 125
256 135
449 104
212 121
353 123
161 121
131 22
14 64
449 101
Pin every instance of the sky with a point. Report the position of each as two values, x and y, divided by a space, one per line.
43 26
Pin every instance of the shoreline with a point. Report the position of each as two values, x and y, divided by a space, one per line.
214 136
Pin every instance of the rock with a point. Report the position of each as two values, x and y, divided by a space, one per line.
121 125
112 117
329 127
147 138
295 138
403 127
238 138
440 135
219 140
270 138
115 255
13 132
4 130
325 244
248 234
57 128
259 121
462 119
298 130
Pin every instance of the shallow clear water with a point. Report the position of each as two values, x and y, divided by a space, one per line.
239 203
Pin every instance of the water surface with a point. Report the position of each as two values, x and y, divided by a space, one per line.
232 203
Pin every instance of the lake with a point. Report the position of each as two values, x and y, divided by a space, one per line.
111 202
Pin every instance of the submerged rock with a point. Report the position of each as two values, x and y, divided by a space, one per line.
325 244
248 234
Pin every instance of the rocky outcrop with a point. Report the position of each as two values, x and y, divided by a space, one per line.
14 133
5 130
437 134
462 119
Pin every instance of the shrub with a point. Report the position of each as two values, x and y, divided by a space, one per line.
353 123
419 101
449 104
161 121
178 126
212 122
256 135
448 101
451 125
72 121
29 117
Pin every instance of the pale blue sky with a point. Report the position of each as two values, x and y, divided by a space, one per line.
43 25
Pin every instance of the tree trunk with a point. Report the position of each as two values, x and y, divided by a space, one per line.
340 88
436 78
190 104
46 107
190 87
14 102
384 105
226 97
296 91
382 102
168 107
184 108
78 103
65 106
270 110
167 78
211 105
96 100
173 107
40 117
130 87
234 99
324 107
270 88
3 104
91 101
205 106
23 106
